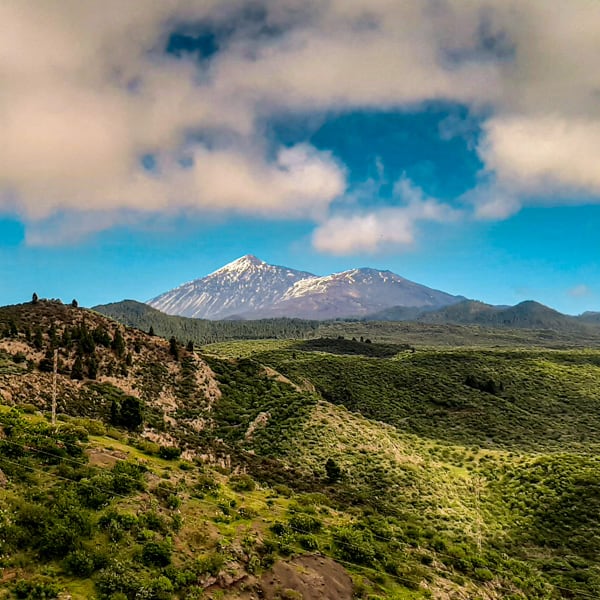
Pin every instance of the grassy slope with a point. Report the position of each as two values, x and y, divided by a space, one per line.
543 399
441 501
506 482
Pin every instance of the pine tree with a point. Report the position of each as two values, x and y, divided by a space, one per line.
47 363
118 344
77 370
174 348
115 410
333 470
92 367
38 340
34 298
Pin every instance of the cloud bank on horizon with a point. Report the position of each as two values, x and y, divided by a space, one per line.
101 126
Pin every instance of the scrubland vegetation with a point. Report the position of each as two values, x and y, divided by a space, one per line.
425 473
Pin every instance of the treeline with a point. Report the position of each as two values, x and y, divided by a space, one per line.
200 331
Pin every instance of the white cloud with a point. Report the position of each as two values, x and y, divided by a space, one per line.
86 90
373 231
541 154
580 291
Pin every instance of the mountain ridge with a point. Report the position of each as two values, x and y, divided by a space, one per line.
249 288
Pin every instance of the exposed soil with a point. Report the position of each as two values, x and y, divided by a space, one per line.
314 577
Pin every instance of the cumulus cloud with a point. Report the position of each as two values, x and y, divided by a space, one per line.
372 231
87 89
539 154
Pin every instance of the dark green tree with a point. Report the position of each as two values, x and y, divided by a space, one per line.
38 340
47 363
77 369
118 344
74 303
151 330
66 338
115 412
14 331
131 414
190 346
92 367
333 471
34 298
101 336
53 336
174 348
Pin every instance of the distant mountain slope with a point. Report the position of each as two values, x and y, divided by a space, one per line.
245 285
591 317
355 293
249 288
525 315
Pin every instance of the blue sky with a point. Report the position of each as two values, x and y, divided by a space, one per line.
454 143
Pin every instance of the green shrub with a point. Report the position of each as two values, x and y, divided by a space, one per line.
308 542
146 446
80 563
169 452
303 523
155 522
205 483
92 426
242 483
210 564
156 554
278 528
37 588
354 545
118 578
483 574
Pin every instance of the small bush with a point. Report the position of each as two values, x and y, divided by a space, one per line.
308 542
303 523
80 563
210 564
38 588
242 483
354 545
169 452
156 554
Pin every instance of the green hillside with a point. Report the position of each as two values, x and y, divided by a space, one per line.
202 331
495 398
452 326
276 468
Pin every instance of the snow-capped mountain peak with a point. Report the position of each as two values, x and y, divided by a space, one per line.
245 285
251 288
241 265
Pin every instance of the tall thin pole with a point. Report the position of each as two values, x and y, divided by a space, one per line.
55 371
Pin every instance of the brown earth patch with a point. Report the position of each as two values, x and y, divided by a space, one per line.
314 577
